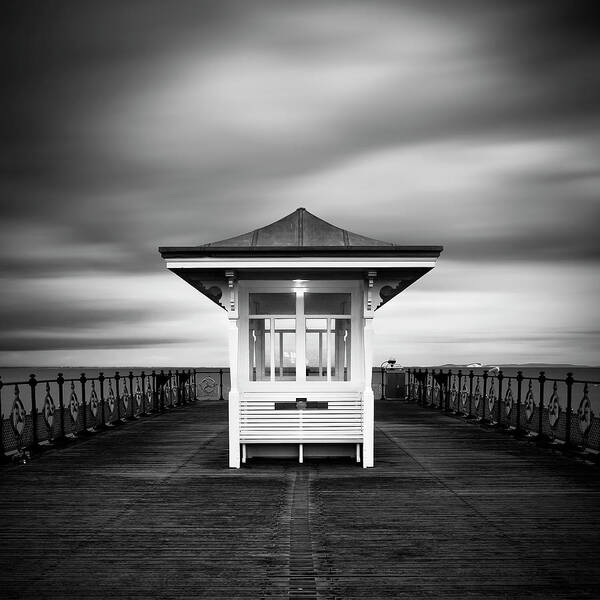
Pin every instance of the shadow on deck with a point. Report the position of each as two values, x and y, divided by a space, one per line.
151 511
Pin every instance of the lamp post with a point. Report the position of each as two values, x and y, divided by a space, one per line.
391 362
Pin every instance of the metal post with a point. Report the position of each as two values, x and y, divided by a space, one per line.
221 385
60 380
162 391
471 375
485 378
541 437
569 381
154 397
518 430
448 388
34 411
177 388
143 407
132 399
3 457
83 379
499 408
118 395
459 392
101 383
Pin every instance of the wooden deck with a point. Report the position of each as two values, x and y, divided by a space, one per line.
149 510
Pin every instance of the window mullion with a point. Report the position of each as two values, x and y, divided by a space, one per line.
272 348
300 337
328 344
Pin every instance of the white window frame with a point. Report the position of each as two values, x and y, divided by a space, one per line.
247 287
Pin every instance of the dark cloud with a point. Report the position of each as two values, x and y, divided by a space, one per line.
61 342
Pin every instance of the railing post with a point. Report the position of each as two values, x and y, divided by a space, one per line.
60 380
162 391
3 457
541 438
143 406
34 411
499 400
83 379
221 385
485 399
448 388
569 381
459 392
132 398
518 429
154 392
471 376
102 413
118 395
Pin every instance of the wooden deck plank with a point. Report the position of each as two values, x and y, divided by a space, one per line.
150 510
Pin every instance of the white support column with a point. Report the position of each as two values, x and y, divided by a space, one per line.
234 396
368 397
234 393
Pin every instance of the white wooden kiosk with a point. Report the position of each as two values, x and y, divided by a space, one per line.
300 295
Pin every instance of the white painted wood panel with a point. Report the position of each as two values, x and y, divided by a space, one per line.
340 422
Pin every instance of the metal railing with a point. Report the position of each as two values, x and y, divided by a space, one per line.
53 411
547 409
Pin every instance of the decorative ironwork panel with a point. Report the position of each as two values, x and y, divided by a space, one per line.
464 396
508 399
529 402
17 418
125 396
207 385
491 399
73 404
554 408
477 394
49 410
149 395
435 392
139 397
110 398
94 403
453 395
585 415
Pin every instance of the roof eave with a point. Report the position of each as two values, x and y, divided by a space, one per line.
169 252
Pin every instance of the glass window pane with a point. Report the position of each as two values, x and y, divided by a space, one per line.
272 304
316 324
340 349
316 354
317 303
285 324
260 349
285 355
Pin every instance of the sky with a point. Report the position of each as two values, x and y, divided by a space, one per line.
131 125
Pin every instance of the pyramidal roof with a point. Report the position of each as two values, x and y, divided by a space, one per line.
300 229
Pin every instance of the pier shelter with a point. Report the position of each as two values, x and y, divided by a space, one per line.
300 296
